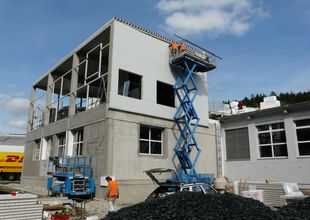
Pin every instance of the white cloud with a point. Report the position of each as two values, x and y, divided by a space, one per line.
4 98
17 106
18 124
213 17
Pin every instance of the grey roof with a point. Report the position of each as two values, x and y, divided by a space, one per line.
12 139
286 109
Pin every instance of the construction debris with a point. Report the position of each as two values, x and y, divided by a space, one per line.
189 205
20 206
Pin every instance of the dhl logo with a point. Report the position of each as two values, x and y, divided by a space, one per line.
14 159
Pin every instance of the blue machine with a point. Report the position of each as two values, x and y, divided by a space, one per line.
188 64
70 176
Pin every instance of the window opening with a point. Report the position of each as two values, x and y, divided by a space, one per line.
129 84
78 142
165 94
37 150
62 145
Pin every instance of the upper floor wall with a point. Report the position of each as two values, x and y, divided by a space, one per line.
120 66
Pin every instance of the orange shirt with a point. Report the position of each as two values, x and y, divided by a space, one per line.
174 45
182 46
113 187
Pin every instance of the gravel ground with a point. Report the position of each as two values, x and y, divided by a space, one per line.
194 206
93 207
299 210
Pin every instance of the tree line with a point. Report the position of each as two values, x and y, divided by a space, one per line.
284 98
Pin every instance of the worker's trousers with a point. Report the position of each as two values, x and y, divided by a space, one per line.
111 201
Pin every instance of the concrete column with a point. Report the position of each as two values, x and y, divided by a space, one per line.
49 95
74 84
31 108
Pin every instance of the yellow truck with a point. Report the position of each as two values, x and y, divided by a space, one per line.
11 161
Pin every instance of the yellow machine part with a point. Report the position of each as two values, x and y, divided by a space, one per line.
11 162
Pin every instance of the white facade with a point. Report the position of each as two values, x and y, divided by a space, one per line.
291 168
148 57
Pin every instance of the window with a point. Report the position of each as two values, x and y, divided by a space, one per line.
129 84
272 140
237 144
303 136
78 142
150 140
48 147
165 94
37 150
62 145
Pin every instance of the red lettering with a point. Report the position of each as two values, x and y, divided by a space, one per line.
11 158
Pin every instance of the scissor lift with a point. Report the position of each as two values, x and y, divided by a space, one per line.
187 64
70 176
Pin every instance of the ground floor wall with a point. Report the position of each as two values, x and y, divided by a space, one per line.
113 144
290 168
280 171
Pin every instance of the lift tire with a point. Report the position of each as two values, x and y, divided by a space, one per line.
50 192
11 177
62 193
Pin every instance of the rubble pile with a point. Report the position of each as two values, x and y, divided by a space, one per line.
188 205
296 210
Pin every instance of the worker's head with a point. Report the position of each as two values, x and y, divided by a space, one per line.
108 179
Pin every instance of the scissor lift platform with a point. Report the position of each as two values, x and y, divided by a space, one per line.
203 64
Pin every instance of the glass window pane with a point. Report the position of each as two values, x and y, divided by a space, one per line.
263 127
144 132
155 147
156 134
265 151
304 122
277 126
264 138
144 147
280 150
304 149
303 134
278 137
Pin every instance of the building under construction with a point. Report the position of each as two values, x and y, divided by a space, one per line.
112 98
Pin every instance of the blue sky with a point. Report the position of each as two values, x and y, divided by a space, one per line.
265 44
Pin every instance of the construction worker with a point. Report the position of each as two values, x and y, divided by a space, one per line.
173 48
112 193
182 46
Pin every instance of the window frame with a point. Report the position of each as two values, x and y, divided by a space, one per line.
308 141
271 144
37 150
149 140
78 142
63 145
